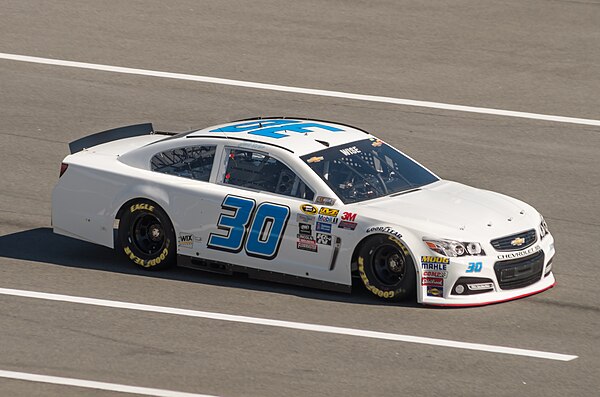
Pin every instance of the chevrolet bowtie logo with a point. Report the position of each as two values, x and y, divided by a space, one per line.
519 241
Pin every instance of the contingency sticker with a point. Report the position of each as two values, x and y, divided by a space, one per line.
185 240
324 239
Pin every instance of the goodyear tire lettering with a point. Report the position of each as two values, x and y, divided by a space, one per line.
381 293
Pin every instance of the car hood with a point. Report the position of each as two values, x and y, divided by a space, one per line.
453 210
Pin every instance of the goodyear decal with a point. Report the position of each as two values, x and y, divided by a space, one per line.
384 229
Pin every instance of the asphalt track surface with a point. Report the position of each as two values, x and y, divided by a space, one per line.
534 56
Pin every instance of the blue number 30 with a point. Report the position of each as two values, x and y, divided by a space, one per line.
262 238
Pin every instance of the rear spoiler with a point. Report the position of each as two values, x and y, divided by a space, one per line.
111 135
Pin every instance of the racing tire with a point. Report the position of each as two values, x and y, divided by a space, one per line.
146 235
386 268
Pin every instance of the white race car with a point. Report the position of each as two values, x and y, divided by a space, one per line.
300 201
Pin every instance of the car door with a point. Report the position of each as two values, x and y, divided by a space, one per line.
262 217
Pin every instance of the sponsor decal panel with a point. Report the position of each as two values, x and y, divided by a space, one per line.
434 263
349 216
432 281
305 218
435 291
349 151
384 229
347 225
306 245
185 240
329 211
305 228
308 209
323 227
435 273
328 219
314 159
519 254
322 200
324 239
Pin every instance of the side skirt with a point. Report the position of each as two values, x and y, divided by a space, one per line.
227 268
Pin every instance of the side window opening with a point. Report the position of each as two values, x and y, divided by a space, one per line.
261 172
193 162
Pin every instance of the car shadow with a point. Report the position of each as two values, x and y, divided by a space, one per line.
43 246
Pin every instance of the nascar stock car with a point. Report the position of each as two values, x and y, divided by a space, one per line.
304 202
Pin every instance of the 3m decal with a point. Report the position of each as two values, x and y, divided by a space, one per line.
276 128
347 225
324 239
348 216
474 267
323 227
262 237
329 211
308 209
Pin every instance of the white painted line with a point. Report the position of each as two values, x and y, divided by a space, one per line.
90 384
289 324
299 90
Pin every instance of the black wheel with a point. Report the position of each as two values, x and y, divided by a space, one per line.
386 267
146 235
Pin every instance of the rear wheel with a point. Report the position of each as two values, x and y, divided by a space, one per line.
386 267
146 235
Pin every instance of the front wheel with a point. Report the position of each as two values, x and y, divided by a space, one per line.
146 235
386 267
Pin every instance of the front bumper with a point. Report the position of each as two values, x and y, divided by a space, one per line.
482 280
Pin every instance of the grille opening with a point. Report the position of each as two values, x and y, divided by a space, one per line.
509 243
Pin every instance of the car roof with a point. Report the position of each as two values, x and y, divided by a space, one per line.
297 135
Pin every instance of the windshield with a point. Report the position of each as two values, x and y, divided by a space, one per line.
367 169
